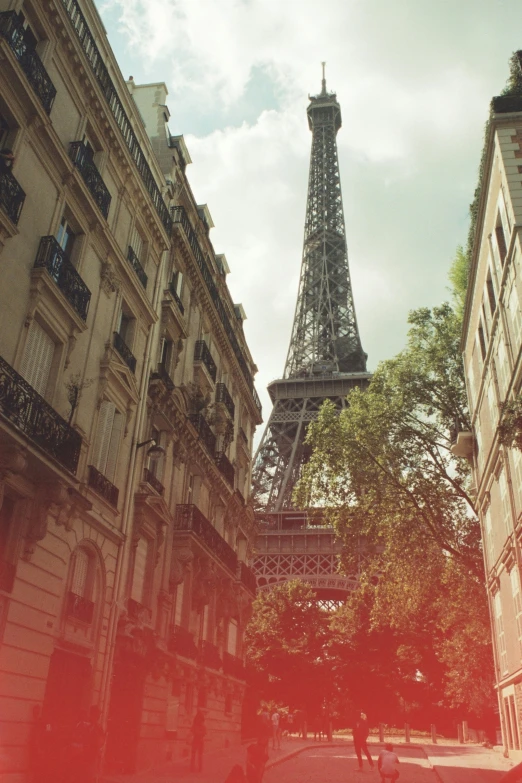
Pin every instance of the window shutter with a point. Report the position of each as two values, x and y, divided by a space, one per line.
114 445
103 439
81 570
140 570
232 637
37 358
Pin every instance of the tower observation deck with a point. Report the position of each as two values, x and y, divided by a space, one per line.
325 360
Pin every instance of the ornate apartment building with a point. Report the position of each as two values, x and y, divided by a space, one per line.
127 411
492 343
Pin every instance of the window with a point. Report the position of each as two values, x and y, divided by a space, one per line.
139 579
178 610
504 499
167 349
29 37
232 637
4 132
65 236
502 364
501 639
177 283
488 538
491 293
492 404
136 243
204 623
500 240
79 583
514 309
517 600
110 427
125 325
482 341
38 357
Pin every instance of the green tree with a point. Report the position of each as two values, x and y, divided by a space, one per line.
285 645
401 502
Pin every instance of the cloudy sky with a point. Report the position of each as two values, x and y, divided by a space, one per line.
414 79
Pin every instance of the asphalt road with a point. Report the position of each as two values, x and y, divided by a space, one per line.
339 765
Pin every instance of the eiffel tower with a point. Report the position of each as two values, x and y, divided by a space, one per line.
325 361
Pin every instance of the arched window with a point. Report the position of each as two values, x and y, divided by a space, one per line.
82 593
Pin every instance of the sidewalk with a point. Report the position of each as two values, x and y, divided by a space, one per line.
216 765
467 763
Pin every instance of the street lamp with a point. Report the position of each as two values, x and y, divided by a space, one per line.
155 449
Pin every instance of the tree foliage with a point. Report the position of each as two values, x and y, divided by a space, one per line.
401 503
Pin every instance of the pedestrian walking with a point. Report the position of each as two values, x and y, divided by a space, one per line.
199 731
360 737
265 728
87 742
257 757
388 764
276 730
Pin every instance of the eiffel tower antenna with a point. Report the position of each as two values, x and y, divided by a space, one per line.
325 358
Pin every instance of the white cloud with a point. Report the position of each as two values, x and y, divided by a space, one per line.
414 79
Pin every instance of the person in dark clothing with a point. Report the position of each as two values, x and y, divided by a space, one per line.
236 775
360 736
198 739
257 757
87 743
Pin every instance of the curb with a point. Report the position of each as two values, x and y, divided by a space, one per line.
297 752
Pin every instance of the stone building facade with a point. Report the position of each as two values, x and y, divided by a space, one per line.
492 342
127 411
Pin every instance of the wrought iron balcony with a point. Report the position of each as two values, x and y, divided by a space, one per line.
124 351
246 576
202 354
225 467
205 433
209 656
182 642
51 256
7 575
28 411
257 400
155 483
233 666
189 518
12 30
81 158
115 106
103 486
79 608
161 374
176 297
223 395
134 261
12 196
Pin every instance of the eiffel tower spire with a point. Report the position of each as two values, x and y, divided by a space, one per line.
325 359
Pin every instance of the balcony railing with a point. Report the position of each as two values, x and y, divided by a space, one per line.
205 433
11 28
134 261
51 256
202 354
179 217
7 575
28 411
12 196
246 576
79 608
233 666
124 351
161 374
110 93
155 483
181 642
189 518
223 395
81 158
174 294
257 400
225 466
103 486
209 656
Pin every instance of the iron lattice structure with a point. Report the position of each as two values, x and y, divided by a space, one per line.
325 359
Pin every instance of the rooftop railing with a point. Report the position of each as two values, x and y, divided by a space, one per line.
101 74
50 256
